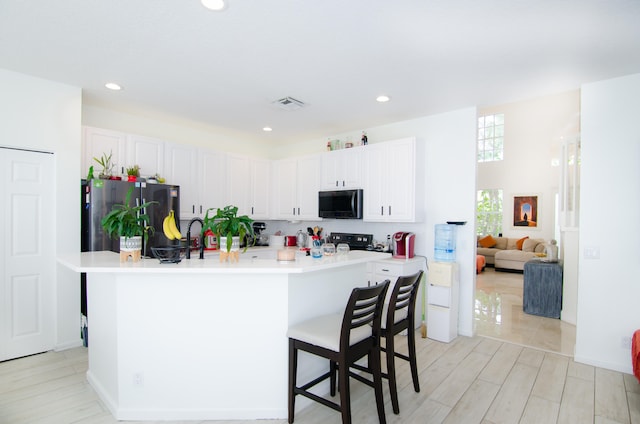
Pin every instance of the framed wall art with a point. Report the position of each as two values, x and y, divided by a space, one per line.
525 211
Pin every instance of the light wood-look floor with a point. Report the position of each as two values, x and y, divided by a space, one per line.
470 380
518 370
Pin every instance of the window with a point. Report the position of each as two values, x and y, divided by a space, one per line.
489 212
490 137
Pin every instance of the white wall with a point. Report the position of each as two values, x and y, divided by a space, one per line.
174 130
533 132
609 287
45 116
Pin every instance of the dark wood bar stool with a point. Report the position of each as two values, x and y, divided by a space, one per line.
342 339
399 315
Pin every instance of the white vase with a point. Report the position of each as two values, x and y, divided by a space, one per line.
235 244
130 246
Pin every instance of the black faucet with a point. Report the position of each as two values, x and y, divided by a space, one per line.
189 238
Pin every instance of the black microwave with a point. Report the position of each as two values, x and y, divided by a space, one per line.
340 204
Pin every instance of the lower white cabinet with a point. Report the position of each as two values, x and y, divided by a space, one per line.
391 269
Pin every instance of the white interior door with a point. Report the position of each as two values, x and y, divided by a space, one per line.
27 252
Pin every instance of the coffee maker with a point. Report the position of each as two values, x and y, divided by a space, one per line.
403 244
260 239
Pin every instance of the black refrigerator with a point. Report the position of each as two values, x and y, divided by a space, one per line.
98 198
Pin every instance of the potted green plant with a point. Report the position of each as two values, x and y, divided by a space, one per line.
130 224
107 165
228 227
133 173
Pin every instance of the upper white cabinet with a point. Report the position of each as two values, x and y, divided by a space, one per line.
260 188
390 194
342 169
97 142
147 153
210 179
248 183
296 183
181 168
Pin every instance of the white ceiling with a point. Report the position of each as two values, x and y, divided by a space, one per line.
175 58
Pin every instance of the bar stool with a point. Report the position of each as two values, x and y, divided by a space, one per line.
342 339
399 315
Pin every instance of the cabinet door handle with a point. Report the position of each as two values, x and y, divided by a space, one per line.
336 183
343 184
298 211
193 209
251 210
381 210
389 210
200 208
385 270
293 211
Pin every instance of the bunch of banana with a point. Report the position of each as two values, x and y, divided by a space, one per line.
169 227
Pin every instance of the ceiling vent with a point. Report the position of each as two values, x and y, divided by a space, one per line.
289 103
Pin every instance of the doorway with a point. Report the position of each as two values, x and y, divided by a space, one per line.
27 252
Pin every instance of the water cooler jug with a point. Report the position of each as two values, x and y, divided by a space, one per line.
445 243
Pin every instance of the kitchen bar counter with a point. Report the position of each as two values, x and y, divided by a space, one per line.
204 340
256 260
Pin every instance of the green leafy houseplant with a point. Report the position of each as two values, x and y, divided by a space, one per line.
127 221
107 165
134 170
227 223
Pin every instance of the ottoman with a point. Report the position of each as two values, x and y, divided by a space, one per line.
481 261
542 290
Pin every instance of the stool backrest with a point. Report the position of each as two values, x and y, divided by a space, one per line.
363 314
403 299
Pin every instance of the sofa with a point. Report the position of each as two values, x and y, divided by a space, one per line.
510 254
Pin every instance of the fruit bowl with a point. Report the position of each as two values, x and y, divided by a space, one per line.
169 254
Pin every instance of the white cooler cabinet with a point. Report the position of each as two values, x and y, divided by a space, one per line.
442 301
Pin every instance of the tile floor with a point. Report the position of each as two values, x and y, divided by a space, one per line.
499 315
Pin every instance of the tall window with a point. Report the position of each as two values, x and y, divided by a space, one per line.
490 137
489 212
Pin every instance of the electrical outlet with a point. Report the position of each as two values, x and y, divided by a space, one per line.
625 342
592 252
138 379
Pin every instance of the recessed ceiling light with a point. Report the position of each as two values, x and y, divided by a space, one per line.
383 99
214 4
267 129
113 86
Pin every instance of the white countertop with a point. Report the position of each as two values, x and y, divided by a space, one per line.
254 261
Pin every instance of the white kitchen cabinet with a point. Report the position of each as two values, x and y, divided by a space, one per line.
391 269
98 141
238 183
390 181
211 174
342 169
260 188
296 183
147 153
248 181
181 168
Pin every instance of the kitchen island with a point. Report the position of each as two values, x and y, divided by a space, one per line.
204 340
